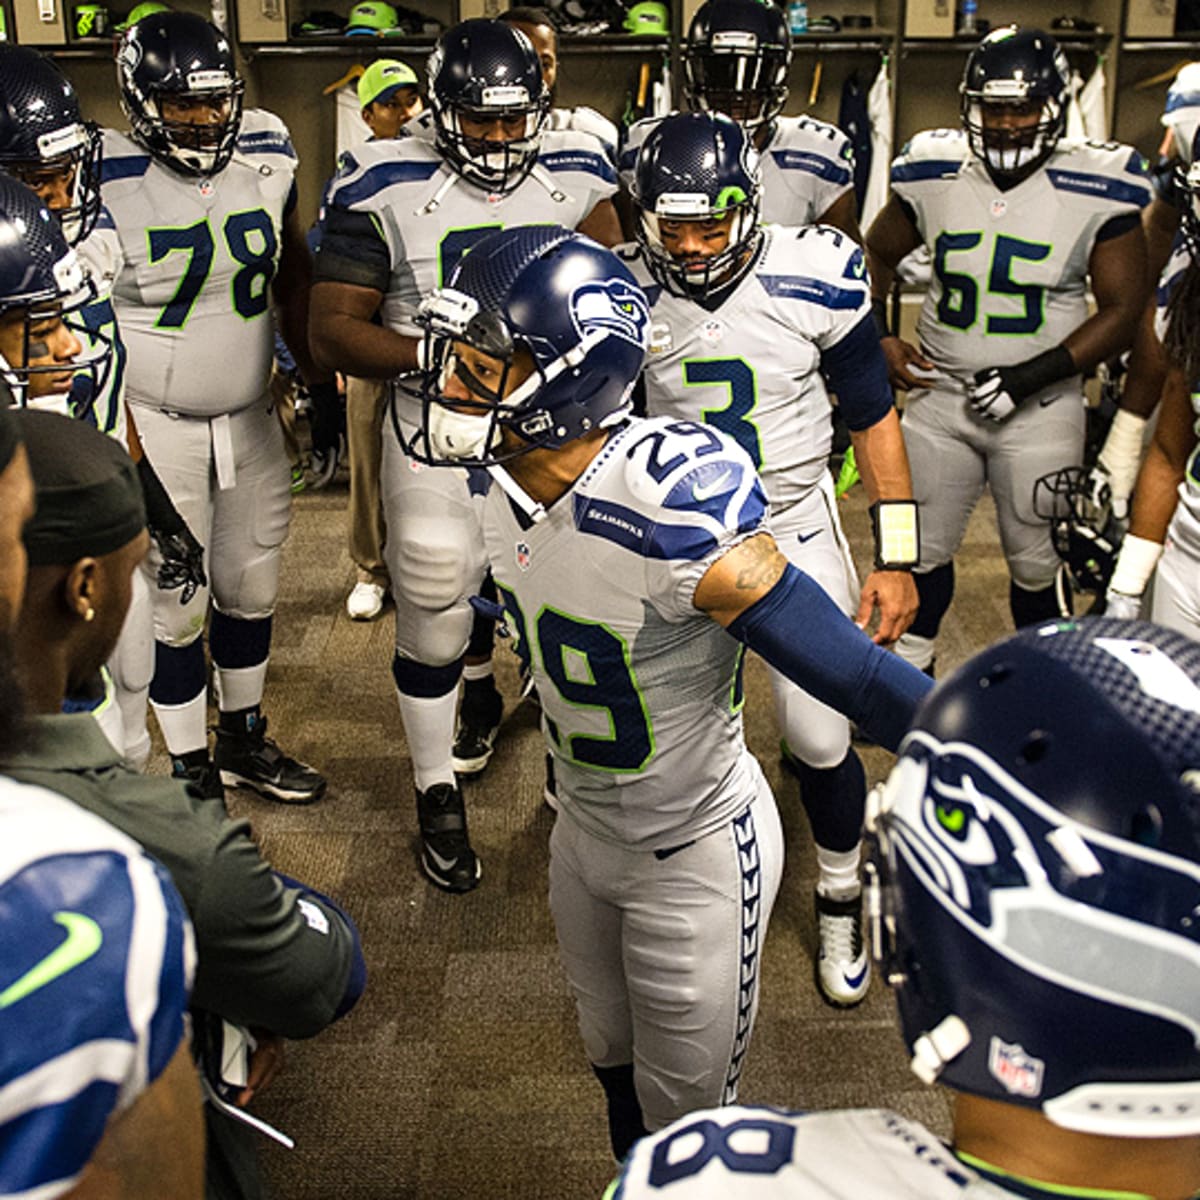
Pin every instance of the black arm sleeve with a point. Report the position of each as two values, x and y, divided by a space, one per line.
353 250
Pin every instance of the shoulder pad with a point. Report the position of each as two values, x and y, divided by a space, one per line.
588 120
264 133
811 131
631 142
817 263
1110 171
935 144
697 473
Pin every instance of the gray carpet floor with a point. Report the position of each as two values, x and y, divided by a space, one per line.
461 1074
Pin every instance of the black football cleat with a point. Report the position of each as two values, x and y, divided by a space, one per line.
446 854
479 718
197 769
248 758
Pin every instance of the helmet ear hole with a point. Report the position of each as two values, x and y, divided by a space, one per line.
1035 748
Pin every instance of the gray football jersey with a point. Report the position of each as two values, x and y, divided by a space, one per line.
193 292
767 1154
641 692
1010 268
806 165
750 366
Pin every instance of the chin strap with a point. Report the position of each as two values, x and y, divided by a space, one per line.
533 509
932 1051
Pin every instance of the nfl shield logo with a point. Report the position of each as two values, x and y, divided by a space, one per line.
523 555
1020 1073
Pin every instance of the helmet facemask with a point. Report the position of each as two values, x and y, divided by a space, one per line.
1011 129
89 369
732 73
699 276
1187 180
68 164
199 149
498 165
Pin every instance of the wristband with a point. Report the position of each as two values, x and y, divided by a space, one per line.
897 534
1022 380
1135 564
879 316
1122 452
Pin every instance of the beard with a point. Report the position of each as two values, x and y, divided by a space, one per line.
13 731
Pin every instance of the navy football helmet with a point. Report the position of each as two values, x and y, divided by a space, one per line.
486 71
736 60
1086 533
697 167
544 292
44 140
1035 878
41 279
180 56
1011 75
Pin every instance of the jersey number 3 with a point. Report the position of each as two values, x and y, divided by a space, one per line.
251 242
958 305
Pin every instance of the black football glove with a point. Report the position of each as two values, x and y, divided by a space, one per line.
182 563
326 418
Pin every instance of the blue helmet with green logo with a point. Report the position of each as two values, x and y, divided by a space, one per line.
1035 867
697 168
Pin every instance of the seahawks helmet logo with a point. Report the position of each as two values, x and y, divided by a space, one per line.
612 304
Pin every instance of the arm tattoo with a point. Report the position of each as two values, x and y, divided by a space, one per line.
760 564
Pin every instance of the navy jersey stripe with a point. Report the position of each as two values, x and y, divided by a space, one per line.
1085 184
816 291
631 529
376 178
915 172
813 164
133 166
579 160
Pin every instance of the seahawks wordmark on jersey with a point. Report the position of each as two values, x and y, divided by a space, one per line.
768 1154
197 257
641 692
806 166
1010 268
750 366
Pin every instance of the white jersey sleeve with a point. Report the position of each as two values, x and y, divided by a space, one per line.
1010 267
768 1154
806 166
589 121
635 135
197 260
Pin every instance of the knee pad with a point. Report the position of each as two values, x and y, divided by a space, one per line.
815 733
178 624
247 589
132 662
429 571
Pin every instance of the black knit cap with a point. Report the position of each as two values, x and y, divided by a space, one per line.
89 501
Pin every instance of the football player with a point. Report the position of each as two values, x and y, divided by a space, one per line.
1166 258
1038 872
749 324
736 62
398 217
202 197
536 25
1163 541
46 143
626 552
1018 223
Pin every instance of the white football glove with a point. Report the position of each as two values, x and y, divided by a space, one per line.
990 395
1121 606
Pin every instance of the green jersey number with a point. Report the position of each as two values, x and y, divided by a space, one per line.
251 242
958 305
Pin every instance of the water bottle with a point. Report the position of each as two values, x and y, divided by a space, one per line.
797 13
967 22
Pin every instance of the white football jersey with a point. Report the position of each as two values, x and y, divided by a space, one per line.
193 292
807 165
750 367
641 693
767 1154
100 254
1172 273
587 120
1010 268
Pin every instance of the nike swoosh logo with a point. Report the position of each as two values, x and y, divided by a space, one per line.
444 863
83 941
703 491
806 537
1046 401
854 980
